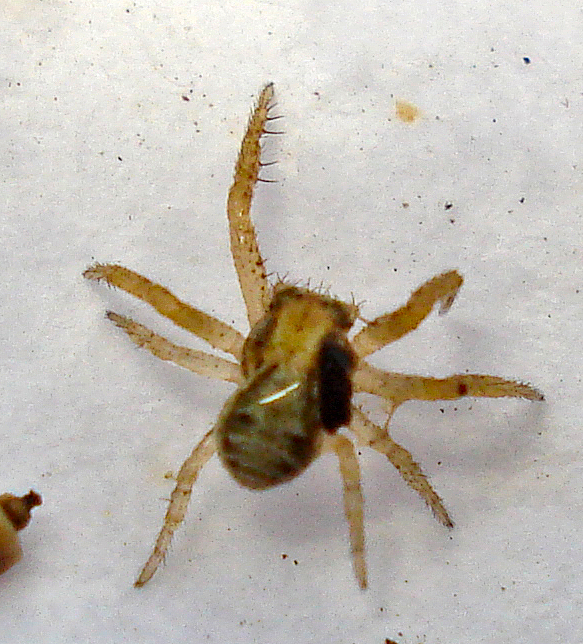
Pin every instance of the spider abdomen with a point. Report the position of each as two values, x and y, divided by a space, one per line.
268 430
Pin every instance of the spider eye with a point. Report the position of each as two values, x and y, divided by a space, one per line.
335 364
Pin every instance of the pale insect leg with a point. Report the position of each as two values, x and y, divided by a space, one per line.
397 388
178 504
392 326
372 435
353 500
216 333
198 362
244 248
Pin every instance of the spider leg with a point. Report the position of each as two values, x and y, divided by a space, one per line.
216 333
392 326
353 500
397 387
372 435
178 504
244 248
198 362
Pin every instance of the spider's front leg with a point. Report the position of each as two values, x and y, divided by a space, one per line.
392 326
205 326
204 364
244 248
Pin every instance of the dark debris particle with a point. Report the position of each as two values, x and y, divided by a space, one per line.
526 60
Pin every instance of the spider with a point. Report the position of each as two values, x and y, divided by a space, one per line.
295 372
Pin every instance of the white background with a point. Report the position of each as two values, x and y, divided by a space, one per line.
103 160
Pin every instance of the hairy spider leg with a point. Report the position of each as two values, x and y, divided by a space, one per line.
205 326
387 328
255 288
178 504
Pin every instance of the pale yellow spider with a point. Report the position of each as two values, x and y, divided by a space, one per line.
296 371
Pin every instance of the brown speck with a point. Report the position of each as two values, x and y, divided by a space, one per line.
406 112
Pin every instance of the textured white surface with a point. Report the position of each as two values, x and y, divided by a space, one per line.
102 159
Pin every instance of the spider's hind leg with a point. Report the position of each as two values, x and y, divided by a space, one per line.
372 435
178 504
353 500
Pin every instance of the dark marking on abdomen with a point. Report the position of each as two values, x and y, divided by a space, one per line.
335 364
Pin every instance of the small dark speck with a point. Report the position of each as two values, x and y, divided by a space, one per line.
452 221
119 159
521 200
405 204
284 556
448 205
526 60
185 98
295 562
